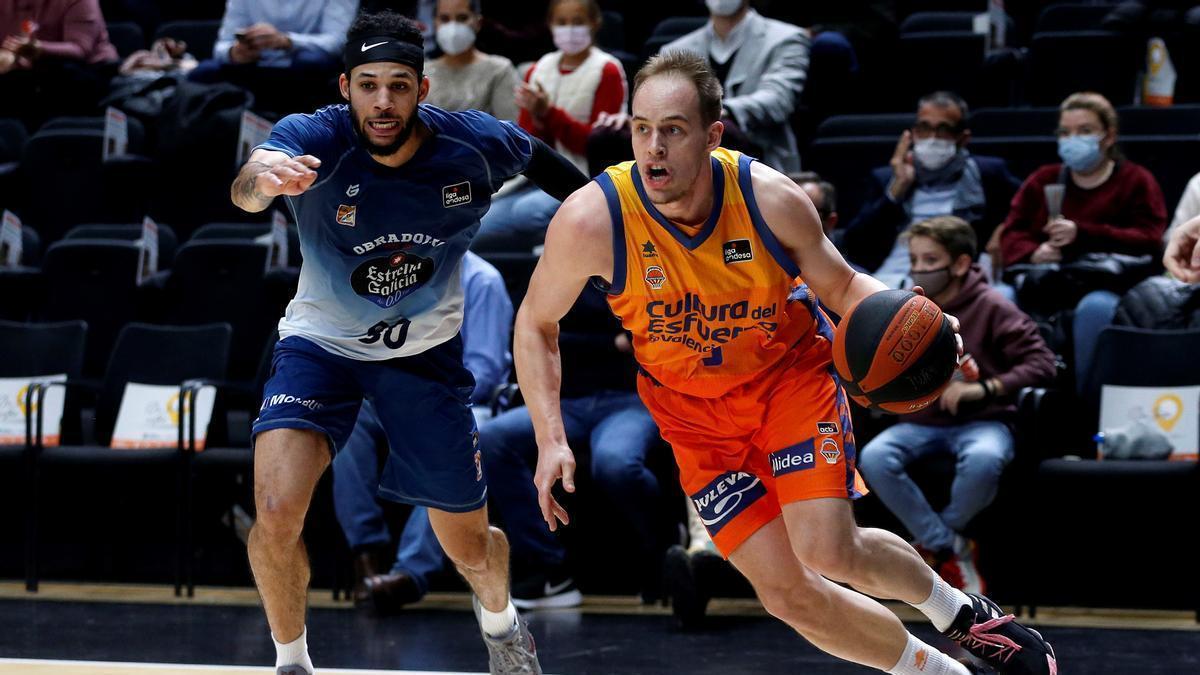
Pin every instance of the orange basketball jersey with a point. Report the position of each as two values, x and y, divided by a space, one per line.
710 308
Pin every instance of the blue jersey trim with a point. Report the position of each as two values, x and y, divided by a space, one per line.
691 243
618 234
773 246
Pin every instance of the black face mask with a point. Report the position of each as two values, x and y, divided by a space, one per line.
933 281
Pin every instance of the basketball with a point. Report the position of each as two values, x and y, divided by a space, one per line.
895 351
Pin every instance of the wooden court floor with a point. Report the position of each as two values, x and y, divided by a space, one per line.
70 629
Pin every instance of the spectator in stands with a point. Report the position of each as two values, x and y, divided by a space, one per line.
166 55
932 173
1182 257
55 58
601 409
1110 205
823 196
487 326
560 98
1004 352
262 40
762 65
463 77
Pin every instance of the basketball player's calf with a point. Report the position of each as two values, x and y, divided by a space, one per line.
287 465
882 565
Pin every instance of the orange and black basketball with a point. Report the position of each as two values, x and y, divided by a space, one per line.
895 352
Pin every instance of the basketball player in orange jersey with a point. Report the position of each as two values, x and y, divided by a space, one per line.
714 263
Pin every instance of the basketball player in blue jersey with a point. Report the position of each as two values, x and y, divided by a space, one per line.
387 194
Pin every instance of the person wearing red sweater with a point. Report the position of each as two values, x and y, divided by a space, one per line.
1003 353
55 58
561 98
1109 205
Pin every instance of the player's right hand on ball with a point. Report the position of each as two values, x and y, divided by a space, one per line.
554 463
290 177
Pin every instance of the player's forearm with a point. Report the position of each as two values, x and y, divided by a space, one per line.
539 373
857 287
244 191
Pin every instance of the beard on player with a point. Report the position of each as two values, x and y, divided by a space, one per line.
382 124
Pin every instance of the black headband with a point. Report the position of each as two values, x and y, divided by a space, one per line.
383 49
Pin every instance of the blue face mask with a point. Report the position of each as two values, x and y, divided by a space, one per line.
1080 153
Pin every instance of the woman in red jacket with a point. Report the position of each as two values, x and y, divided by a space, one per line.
560 99
1109 205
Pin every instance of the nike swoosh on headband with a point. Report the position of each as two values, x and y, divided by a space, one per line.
366 46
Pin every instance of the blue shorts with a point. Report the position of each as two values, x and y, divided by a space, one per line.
423 403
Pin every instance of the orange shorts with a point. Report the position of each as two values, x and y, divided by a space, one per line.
784 437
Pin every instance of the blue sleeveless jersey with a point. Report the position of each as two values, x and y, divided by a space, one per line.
382 245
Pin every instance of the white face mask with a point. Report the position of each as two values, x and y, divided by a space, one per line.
932 154
572 39
723 7
454 38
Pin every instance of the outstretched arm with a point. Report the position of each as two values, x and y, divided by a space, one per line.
268 174
578 247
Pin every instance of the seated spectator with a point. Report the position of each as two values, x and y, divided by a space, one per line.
823 196
762 65
165 56
487 325
261 41
1109 205
463 77
1003 352
561 97
602 410
932 173
55 59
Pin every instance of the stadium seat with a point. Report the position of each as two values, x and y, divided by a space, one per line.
669 30
1179 119
943 22
69 184
167 241
612 32
94 280
1062 63
45 349
928 62
1024 154
126 36
200 36
250 231
1014 121
223 280
881 124
1162 155
1139 503
1070 16
146 354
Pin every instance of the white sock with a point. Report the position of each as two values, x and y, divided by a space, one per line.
294 653
943 603
498 624
921 659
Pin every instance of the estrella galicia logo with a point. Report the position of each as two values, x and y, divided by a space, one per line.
385 281
456 195
798 457
730 494
738 251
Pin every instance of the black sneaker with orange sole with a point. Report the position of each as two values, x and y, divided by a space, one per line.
989 634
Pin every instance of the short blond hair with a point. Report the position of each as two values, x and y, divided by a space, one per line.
692 68
953 233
